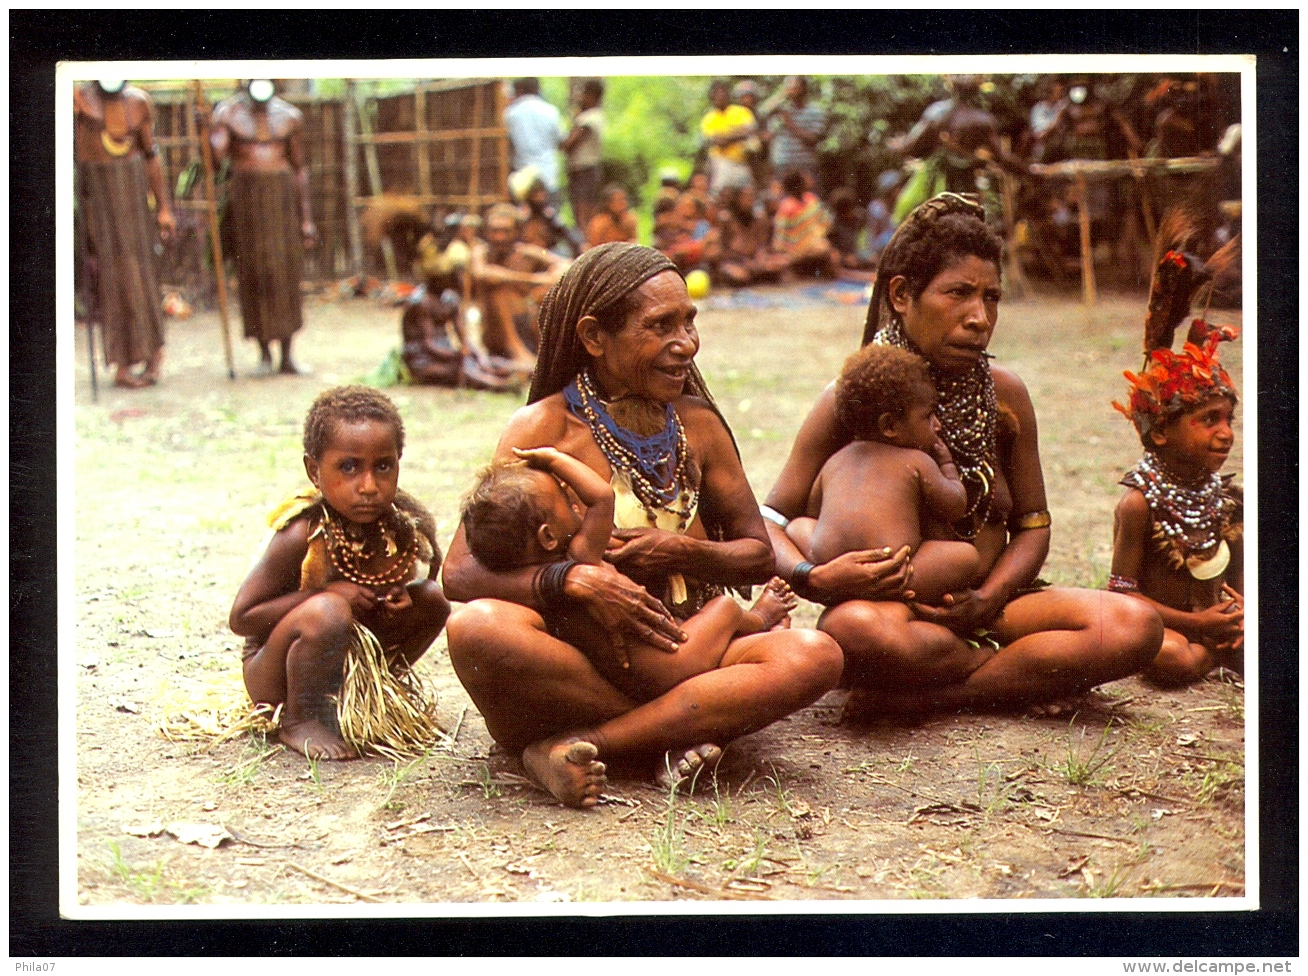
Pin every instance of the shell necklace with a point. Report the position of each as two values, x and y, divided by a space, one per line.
351 546
1188 520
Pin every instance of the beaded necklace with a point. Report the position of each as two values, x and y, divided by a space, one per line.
1189 520
656 465
969 412
350 546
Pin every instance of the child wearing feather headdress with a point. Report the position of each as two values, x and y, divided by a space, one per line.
344 598
1178 530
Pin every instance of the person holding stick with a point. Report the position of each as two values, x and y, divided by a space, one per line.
270 211
118 169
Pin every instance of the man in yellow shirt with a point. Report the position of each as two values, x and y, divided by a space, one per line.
726 128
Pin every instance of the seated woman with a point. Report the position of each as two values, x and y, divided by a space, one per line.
616 387
800 229
614 222
747 255
683 234
937 294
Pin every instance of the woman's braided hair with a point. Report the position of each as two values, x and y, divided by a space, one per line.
947 227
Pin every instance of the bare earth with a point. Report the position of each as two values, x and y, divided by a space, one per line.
1131 792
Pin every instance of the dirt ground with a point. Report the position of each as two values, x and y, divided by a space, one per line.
1131 793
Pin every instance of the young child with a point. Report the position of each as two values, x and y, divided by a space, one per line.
895 485
521 515
354 553
1178 530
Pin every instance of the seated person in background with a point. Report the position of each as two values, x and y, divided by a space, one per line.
895 485
508 279
669 186
524 515
1178 533
437 351
747 254
801 229
541 225
698 188
683 235
614 221
848 226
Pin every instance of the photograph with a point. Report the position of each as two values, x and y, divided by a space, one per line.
652 315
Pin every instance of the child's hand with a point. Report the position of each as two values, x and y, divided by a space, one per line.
1221 622
397 598
542 458
360 598
940 453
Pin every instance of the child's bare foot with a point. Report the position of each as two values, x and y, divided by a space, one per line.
775 603
314 740
675 769
568 768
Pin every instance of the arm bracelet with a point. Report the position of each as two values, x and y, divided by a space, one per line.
1033 520
549 582
1122 584
773 516
799 578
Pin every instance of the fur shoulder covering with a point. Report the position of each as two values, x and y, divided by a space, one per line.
295 506
429 551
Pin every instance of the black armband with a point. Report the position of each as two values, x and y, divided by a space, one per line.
799 578
549 582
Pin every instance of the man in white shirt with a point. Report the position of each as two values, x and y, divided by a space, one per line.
533 125
584 149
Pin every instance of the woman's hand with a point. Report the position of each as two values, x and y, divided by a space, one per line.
867 574
360 598
397 599
624 609
962 611
647 553
1222 622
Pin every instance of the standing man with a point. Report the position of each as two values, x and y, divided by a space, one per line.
533 125
117 162
726 128
270 214
797 126
583 147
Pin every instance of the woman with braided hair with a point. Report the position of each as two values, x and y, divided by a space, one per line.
616 388
937 294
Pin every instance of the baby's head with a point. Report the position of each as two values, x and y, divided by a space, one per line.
518 516
885 394
353 440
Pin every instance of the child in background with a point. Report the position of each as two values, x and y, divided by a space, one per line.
800 230
356 552
684 235
614 222
895 485
1178 531
522 515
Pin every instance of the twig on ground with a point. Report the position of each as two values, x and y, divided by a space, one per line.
633 810
454 736
1082 833
1214 886
705 889
1075 866
468 864
334 884
748 780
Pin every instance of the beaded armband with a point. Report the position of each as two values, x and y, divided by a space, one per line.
1033 520
1122 584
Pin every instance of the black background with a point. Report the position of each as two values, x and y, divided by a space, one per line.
39 39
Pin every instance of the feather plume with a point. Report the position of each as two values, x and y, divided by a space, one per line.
1177 275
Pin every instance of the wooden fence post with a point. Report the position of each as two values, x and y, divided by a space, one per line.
352 180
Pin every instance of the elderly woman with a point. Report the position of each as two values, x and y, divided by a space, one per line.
616 387
937 293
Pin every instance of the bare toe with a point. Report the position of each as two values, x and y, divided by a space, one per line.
569 770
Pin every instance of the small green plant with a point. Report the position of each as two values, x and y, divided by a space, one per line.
668 844
1110 885
1082 768
393 776
907 763
720 812
246 771
783 796
990 780
145 882
752 864
315 775
1219 780
489 788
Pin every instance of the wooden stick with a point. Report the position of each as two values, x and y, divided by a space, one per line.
220 272
351 163
1081 833
335 884
1087 249
374 177
705 889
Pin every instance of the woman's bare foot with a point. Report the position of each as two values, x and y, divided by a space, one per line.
568 768
153 367
314 740
773 606
692 764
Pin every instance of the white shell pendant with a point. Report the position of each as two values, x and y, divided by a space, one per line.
1214 566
